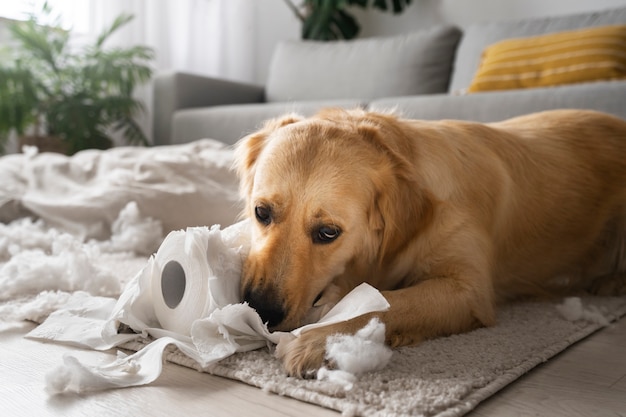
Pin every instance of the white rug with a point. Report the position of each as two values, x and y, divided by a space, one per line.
446 377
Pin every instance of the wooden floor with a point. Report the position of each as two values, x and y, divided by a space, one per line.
589 379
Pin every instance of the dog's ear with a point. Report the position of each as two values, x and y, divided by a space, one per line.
401 207
248 149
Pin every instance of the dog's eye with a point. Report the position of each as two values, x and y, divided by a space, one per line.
263 215
326 234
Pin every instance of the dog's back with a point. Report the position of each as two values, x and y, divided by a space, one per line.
549 189
564 224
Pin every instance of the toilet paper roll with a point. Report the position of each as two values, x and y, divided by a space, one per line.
180 291
195 272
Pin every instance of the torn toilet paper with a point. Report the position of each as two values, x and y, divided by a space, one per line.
356 354
187 296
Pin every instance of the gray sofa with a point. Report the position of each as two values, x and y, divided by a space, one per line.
421 75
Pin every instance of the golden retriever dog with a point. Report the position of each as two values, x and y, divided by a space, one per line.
445 218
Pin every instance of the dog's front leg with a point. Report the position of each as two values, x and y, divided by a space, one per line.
432 308
304 355
436 307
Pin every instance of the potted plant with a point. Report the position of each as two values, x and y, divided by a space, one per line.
326 20
67 100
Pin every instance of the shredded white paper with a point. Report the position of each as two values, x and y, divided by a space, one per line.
42 259
572 309
34 309
233 328
132 232
356 354
69 266
25 234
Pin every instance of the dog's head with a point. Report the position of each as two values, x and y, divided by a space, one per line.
329 197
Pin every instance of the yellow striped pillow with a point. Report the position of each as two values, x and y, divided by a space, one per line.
577 56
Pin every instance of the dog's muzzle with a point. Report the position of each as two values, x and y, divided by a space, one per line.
266 305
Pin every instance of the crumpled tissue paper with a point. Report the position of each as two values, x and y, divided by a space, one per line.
187 296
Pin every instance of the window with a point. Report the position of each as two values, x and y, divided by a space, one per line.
72 14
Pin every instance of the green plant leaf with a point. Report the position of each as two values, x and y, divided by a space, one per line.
132 132
360 3
81 96
44 43
397 6
329 20
346 25
119 22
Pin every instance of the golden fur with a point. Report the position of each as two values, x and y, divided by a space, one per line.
446 218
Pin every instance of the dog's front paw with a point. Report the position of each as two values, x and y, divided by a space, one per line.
304 355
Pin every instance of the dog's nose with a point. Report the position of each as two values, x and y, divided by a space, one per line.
264 302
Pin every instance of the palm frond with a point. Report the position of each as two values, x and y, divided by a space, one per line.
132 132
120 21
19 98
43 43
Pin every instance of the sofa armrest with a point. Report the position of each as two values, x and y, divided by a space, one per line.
177 90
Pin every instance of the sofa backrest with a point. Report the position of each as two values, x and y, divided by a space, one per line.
478 36
417 63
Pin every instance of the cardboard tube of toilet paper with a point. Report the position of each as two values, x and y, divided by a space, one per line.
180 291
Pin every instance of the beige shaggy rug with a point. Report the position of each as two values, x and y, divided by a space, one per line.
446 377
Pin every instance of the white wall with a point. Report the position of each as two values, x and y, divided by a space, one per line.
276 22
4 31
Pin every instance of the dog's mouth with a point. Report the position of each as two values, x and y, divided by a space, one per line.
321 305
280 317
319 297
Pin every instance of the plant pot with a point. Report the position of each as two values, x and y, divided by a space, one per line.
45 143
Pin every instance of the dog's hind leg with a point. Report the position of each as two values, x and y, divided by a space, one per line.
612 280
613 283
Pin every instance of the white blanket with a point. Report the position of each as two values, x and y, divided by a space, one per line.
181 186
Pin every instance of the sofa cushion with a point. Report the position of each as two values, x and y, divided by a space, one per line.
230 123
494 106
417 63
478 36
583 55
